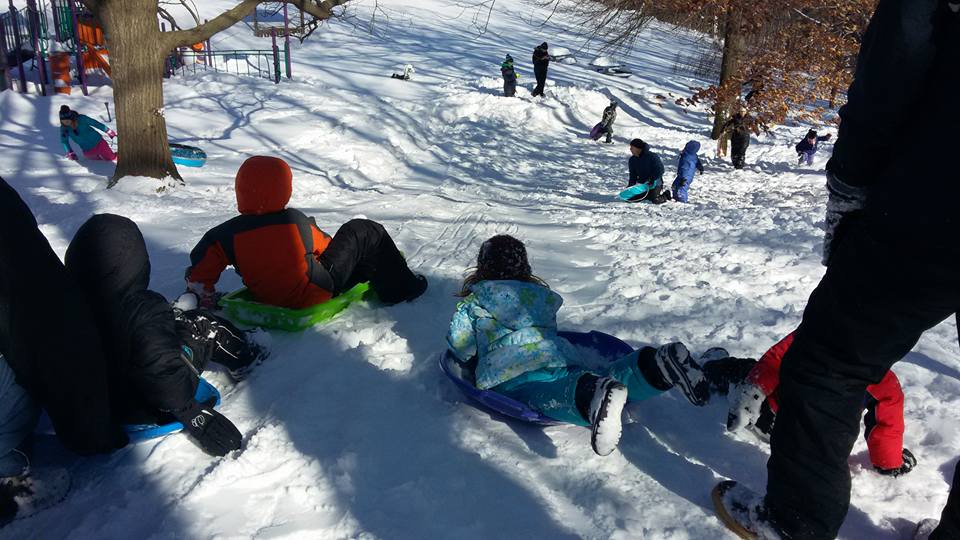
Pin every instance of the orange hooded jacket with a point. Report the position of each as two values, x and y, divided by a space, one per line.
274 249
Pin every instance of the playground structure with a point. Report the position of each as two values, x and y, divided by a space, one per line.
57 42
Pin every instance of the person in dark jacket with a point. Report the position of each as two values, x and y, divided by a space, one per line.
646 168
606 122
285 259
807 147
509 77
687 167
154 354
739 138
541 60
891 267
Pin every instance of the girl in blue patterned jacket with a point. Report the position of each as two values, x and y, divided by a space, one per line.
508 322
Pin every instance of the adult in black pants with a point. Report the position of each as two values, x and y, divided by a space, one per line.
892 263
541 61
739 138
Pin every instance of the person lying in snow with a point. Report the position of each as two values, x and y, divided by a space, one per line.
407 74
755 408
687 167
506 326
646 167
285 259
807 147
80 129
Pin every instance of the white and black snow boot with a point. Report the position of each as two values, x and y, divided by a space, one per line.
37 489
258 345
743 512
678 367
606 409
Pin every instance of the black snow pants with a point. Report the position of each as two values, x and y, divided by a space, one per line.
48 335
875 300
738 149
510 87
362 250
540 72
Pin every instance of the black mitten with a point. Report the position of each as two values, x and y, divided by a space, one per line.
215 434
909 462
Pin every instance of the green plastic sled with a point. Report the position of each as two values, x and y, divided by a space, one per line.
242 308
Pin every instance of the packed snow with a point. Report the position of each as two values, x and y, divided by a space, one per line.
350 429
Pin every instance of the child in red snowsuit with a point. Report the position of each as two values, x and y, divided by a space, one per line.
755 408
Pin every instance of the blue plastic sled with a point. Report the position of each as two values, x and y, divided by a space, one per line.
606 346
188 156
636 193
142 432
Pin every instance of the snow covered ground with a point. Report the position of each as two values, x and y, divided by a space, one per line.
350 429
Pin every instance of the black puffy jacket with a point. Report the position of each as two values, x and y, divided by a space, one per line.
903 107
149 373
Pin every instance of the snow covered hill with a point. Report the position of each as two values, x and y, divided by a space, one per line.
351 431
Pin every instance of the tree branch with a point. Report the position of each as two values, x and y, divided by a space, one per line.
321 10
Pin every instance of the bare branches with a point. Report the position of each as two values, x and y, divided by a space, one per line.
321 10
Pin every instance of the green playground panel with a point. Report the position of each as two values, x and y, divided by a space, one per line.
241 307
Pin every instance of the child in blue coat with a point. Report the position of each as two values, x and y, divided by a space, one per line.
686 169
507 324
808 147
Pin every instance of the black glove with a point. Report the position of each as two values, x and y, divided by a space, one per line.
909 462
844 201
215 434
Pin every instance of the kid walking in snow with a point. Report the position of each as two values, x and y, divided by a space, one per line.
80 129
686 169
507 325
605 127
808 147
755 408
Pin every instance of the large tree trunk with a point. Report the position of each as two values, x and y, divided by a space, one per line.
734 48
137 55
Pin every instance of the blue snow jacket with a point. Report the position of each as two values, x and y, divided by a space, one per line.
511 326
689 161
85 136
806 147
647 168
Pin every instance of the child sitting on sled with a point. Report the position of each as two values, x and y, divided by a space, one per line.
507 324
755 407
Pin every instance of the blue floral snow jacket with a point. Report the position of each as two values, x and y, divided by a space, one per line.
85 136
511 326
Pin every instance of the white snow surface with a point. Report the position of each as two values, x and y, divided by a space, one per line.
350 429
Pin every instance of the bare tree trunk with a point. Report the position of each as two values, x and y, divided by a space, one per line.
137 53
734 48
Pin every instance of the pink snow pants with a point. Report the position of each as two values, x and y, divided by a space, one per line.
101 151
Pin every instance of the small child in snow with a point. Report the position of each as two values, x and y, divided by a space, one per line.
509 77
506 326
605 127
755 407
407 74
80 129
686 169
808 147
